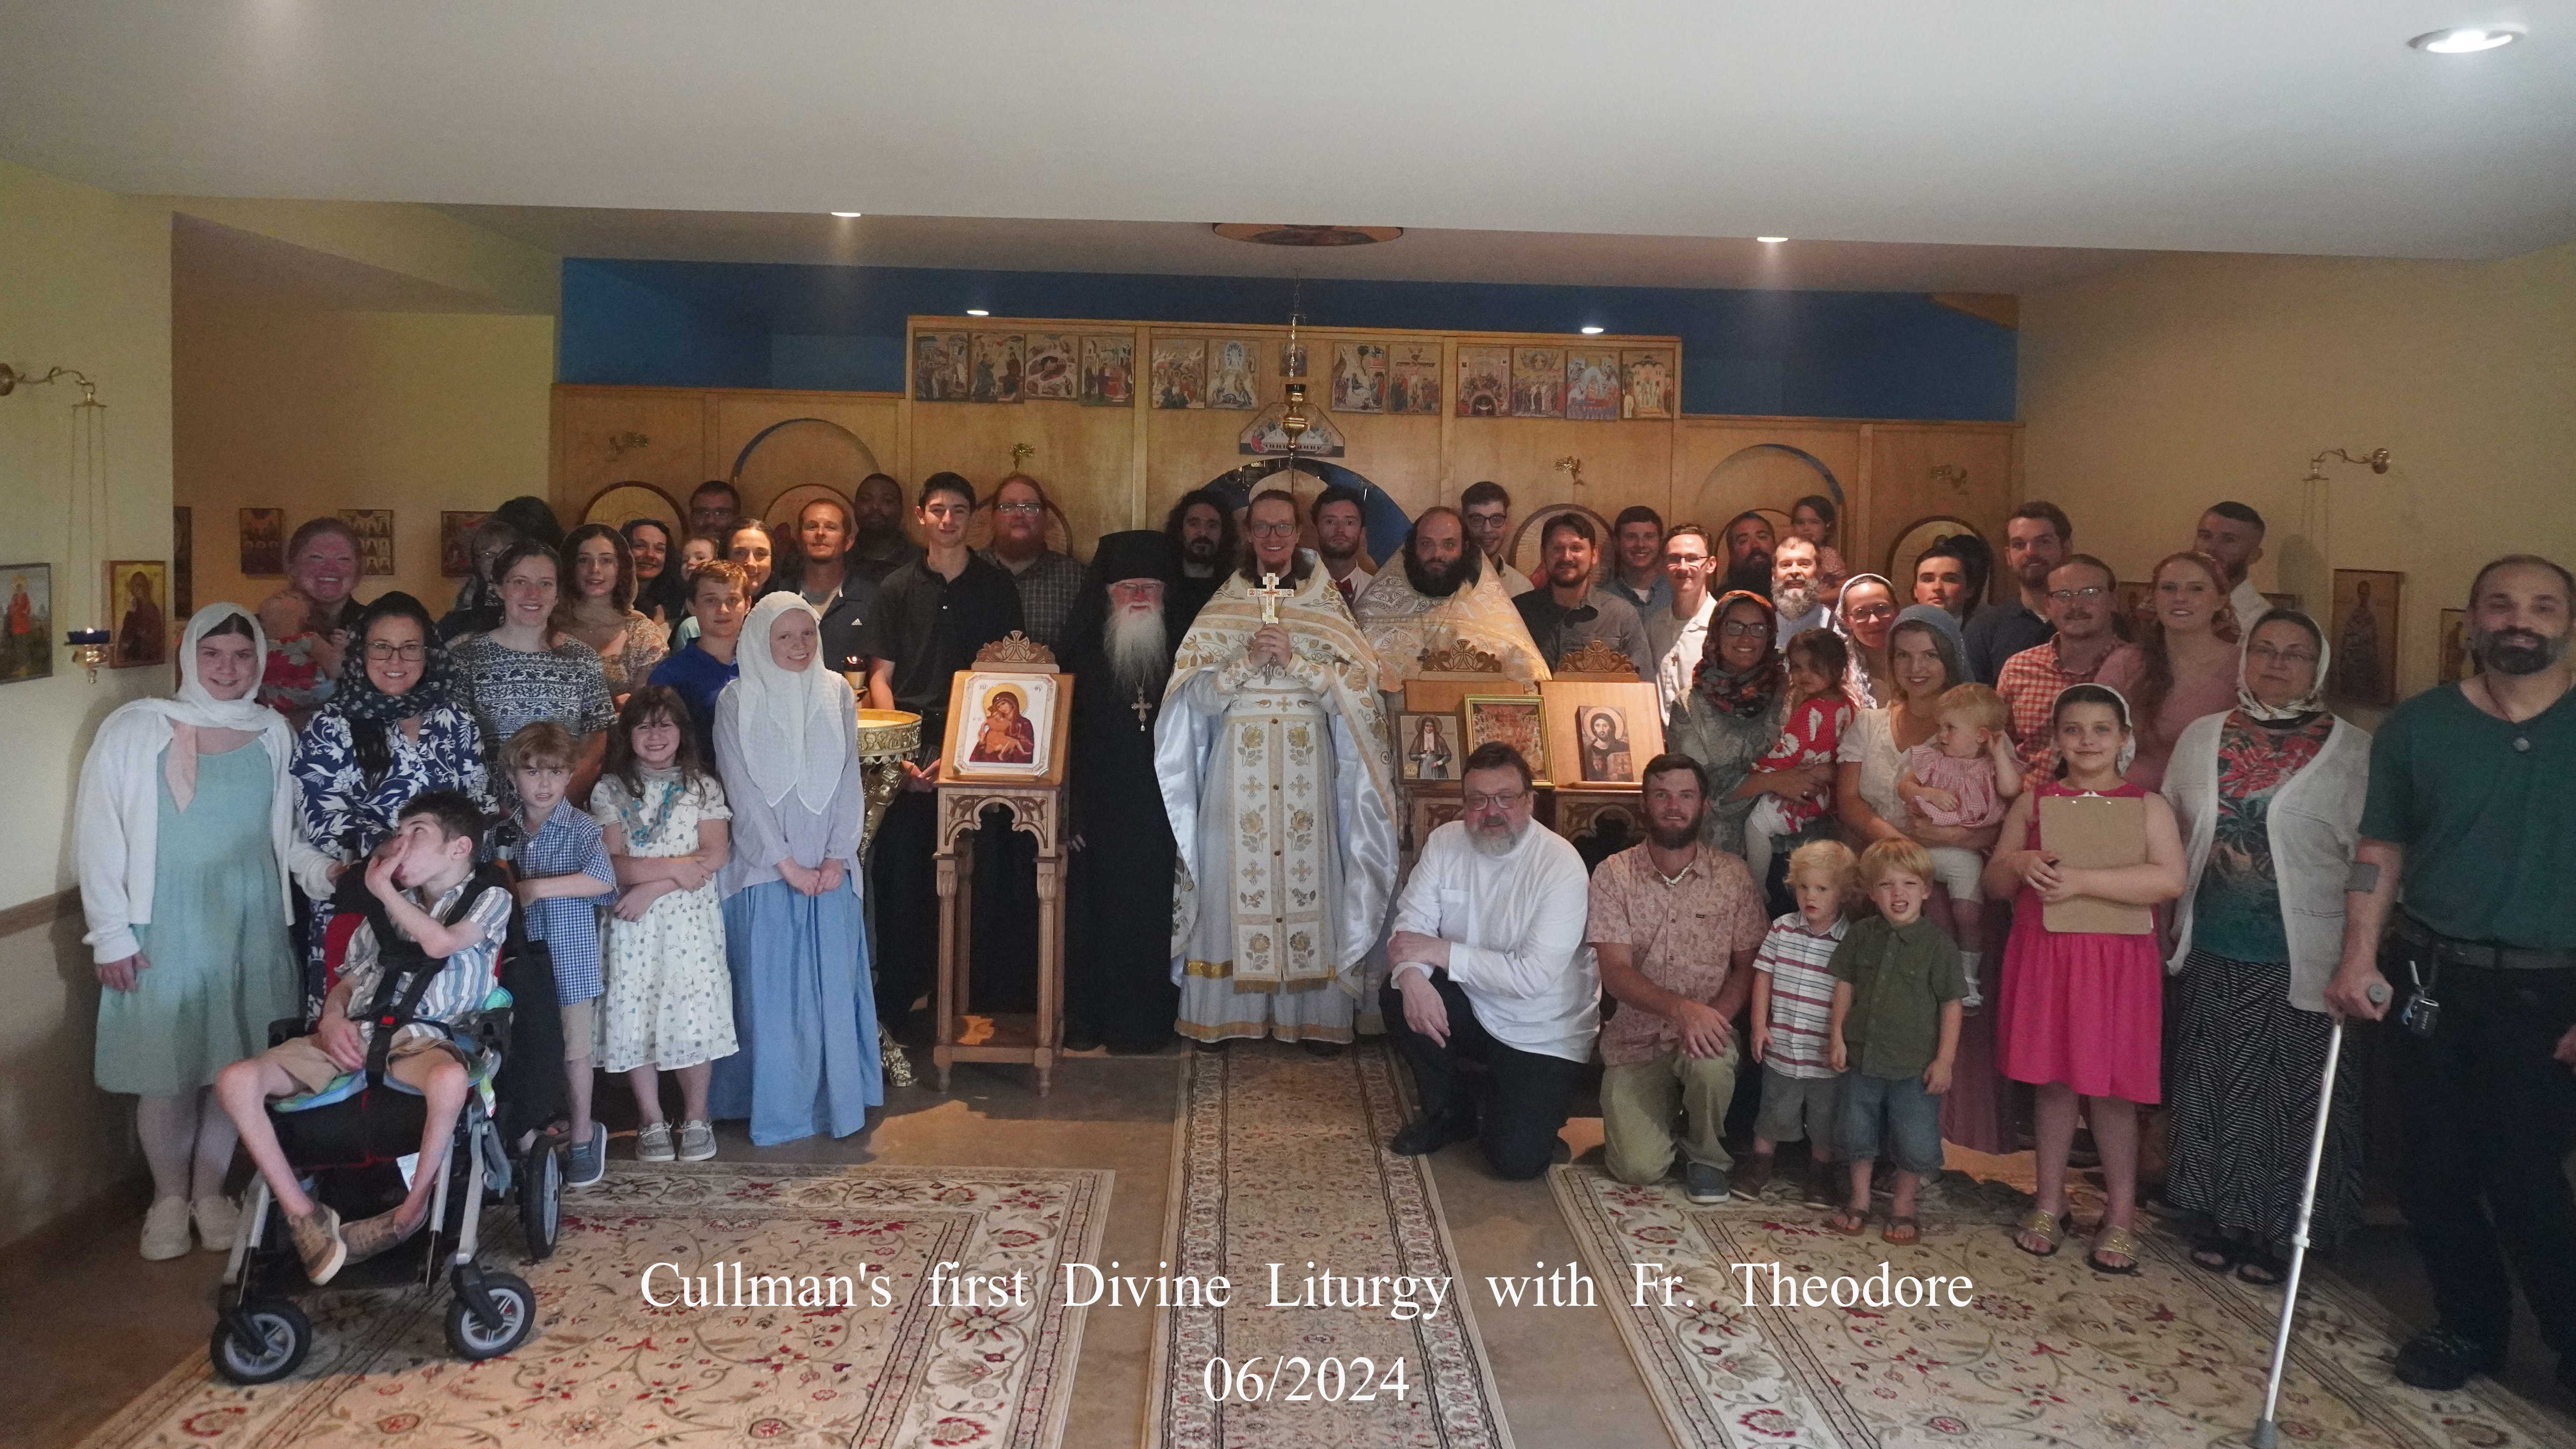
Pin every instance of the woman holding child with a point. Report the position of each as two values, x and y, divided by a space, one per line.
1732 717
185 836
2268 799
803 1015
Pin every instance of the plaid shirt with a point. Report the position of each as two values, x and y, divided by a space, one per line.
1682 936
2030 682
1049 586
570 843
1802 995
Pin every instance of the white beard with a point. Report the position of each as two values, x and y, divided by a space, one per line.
1502 842
1133 639
1795 602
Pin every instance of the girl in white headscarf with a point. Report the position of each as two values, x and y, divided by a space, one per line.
804 1016
2268 796
184 837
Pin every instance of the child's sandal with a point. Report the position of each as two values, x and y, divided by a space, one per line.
1903 1231
1847 1222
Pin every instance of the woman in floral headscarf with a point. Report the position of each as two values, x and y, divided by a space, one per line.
398 723
1732 716
2268 796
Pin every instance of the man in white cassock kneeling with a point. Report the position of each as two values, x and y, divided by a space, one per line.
1271 752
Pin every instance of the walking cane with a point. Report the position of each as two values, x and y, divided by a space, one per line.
2267 1431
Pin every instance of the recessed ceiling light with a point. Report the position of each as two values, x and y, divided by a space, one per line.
1591 331
977 312
1771 240
2465 40
849 215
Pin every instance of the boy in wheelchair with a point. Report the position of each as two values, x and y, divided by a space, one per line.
402 1022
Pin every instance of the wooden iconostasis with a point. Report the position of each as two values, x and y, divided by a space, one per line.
1108 467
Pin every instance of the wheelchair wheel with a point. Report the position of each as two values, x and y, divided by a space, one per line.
473 1339
260 1342
541 1201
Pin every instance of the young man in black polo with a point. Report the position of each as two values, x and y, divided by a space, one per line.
2471 818
929 619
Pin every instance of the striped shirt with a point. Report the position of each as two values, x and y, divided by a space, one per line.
1802 995
456 993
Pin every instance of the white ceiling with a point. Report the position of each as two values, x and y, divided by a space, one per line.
2207 125
1191 249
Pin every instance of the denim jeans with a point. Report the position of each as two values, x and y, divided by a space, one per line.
1912 1116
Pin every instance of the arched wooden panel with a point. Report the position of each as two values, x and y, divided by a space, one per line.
800 453
618 502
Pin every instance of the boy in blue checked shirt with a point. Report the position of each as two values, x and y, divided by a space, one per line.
564 875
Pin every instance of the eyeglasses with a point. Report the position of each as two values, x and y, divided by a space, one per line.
1020 510
2086 595
2266 654
1871 613
1503 801
411 653
1270 530
1737 629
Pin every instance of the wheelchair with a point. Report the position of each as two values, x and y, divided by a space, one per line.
356 1142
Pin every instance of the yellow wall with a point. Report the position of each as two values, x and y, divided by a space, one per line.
2153 391
314 412
87 286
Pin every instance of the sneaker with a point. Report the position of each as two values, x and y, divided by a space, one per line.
2441 1359
1755 1175
165 1229
1428 1134
318 1242
1822 1188
588 1161
697 1141
218 1222
653 1142
386 1231
1703 1183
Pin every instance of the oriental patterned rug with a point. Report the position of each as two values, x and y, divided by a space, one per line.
2048 1352
1280 1158
606 1368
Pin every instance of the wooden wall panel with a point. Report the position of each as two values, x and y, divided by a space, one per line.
594 441
1917 470
873 422
1083 455
1732 464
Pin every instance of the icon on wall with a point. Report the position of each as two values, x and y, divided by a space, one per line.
1180 372
1000 364
2365 635
1538 382
263 543
1591 386
1053 367
1108 371
140 589
1231 383
1649 380
1359 377
939 367
1413 378
375 530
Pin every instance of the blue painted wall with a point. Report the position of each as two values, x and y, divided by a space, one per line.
1810 354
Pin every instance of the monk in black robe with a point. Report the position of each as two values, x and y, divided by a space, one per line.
1119 990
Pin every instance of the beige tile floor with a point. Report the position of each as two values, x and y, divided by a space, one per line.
86 1324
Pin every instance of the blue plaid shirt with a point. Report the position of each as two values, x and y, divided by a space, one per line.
570 843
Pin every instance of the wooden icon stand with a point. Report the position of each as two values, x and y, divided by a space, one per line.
1033 794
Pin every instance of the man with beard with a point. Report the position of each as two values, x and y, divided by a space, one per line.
2037 539
1675 925
1443 592
1202 528
1573 610
2083 599
1679 635
1272 757
715 506
1637 573
1488 967
2232 533
1341 540
2471 819
1119 990
1488 511
879 546
1749 544
823 579
1793 589
1049 581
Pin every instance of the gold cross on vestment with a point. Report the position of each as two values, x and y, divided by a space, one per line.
1270 594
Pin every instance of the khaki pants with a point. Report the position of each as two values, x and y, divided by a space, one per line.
1637 1106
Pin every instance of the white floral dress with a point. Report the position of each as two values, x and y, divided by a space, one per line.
670 996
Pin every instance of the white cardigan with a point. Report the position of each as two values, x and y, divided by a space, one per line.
117 822
2314 823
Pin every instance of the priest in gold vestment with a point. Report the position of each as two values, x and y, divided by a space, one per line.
1272 755
1442 595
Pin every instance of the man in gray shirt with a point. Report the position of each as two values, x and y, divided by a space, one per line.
1572 609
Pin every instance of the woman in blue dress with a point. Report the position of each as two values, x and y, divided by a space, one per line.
804 1014
397 725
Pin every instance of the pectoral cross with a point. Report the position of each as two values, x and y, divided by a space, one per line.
1142 706
1270 594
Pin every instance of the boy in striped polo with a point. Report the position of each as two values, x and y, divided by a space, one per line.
1793 1001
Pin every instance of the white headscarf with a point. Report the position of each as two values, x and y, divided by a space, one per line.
195 707
796 725
2306 704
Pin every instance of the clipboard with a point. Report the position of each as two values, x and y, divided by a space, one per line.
2096 832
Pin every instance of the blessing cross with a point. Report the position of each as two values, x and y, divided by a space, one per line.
1270 594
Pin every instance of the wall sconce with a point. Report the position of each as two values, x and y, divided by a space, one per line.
1951 475
2317 505
1020 454
85 499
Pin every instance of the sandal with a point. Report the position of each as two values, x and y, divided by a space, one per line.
2041 1224
2262 1269
1846 1222
1902 1231
2119 1242
2217 1252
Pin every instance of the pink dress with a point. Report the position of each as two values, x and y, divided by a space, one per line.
2084 1009
1972 780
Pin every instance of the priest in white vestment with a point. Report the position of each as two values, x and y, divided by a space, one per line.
1443 594
1272 755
